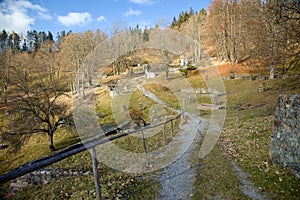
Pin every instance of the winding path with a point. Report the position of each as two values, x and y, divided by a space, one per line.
177 179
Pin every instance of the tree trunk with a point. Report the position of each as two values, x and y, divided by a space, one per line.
51 144
272 69
4 91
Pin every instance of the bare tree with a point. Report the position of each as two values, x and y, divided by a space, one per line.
5 59
281 19
37 105
195 29
73 52
260 30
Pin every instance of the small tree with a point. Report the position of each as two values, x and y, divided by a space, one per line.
37 105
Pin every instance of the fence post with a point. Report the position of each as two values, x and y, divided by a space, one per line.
164 134
96 173
144 143
145 147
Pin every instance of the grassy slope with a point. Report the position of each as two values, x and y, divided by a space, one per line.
246 136
244 139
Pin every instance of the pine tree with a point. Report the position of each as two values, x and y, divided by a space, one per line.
16 42
10 43
36 43
30 41
146 34
3 40
42 37
24 46
173 24
191 13
49 36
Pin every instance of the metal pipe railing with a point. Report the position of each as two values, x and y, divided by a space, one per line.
69 151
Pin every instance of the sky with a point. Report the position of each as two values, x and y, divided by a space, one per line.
81 15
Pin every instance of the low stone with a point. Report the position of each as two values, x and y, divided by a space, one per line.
37 180
86 173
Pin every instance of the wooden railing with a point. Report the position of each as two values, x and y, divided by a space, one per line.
87 144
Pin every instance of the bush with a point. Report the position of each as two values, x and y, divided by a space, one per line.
187 71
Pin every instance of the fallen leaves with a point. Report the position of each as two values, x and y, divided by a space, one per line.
247 143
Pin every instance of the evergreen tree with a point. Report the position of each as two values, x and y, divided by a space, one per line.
191 13
146 34
180 19
63 34
43 37
16 42
173 24
49 36
30 41
36 43
10 43
185 16
24 46
69 32
3 40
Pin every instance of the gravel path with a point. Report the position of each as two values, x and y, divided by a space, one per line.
177 179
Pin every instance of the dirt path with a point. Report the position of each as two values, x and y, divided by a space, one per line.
177 179
247 187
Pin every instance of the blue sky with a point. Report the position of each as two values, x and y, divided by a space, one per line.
81 15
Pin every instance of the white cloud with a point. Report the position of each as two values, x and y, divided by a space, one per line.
14 15
75 18
131 12
101 19
143 2
44 16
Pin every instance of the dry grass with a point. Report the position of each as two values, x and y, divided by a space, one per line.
244 140
246 135
242 68
247 143
216 179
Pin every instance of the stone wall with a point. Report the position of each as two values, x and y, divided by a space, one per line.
285 138
44 176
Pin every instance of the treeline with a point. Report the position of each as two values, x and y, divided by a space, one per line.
182 17
32 41
58 57
266 32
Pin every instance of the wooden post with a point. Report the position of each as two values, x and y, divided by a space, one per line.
182 111
145 148
96 173
164 135
144 143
